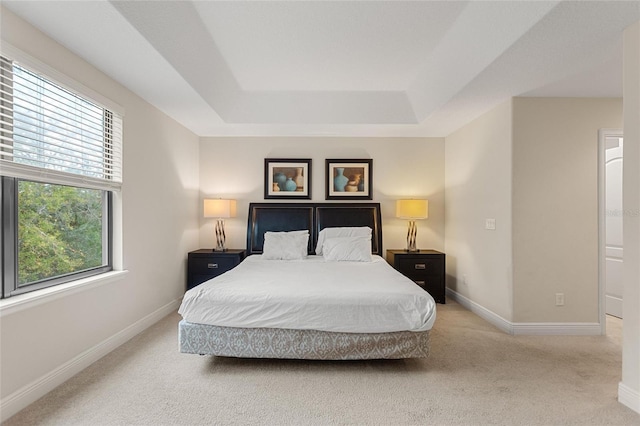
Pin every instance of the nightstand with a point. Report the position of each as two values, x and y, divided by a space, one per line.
425 268
205 264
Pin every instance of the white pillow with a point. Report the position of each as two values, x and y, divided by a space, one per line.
285 245
353 249
352 231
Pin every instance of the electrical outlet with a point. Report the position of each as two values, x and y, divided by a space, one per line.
490 224
559 299
464 279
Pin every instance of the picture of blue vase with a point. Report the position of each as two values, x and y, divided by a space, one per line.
280 179
340 181
290 185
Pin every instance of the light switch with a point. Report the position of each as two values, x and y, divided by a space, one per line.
490 224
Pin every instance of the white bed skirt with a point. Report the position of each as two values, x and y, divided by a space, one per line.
300 344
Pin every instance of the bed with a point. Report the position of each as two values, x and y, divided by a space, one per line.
310 306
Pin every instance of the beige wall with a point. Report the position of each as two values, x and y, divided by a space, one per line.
629 392
478 187
159 222
402 167
555 206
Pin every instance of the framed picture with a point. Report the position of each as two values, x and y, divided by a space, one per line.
349 179
287 178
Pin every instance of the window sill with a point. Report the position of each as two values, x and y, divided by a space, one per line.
34 298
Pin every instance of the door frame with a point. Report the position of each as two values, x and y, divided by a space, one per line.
603 134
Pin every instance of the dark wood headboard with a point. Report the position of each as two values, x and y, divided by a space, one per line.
265 217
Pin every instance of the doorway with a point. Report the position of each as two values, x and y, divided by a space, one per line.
611 247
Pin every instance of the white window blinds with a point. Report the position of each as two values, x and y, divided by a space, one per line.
50 134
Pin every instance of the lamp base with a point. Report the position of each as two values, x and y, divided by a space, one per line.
220 236
412 232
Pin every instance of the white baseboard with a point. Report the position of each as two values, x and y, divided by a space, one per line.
21 398
557 328
484 313
629 397
522 328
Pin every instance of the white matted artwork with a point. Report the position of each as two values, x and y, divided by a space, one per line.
349 179
287 178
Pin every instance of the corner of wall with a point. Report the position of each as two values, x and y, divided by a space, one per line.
478 171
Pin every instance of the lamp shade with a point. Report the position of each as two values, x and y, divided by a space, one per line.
220 208
412 209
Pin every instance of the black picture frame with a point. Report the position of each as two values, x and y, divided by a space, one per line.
280 176
349 179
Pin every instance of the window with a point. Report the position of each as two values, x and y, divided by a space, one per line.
60 163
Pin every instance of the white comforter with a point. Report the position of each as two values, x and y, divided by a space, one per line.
311 294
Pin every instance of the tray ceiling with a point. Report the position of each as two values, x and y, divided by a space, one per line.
348 68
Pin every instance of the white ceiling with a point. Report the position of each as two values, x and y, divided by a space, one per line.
344 68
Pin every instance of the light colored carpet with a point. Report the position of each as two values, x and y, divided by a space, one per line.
475 375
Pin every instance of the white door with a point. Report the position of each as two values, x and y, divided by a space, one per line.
613 225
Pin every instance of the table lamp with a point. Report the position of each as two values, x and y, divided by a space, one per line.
219 209
412 210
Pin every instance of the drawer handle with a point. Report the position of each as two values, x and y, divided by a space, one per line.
420 266
421 283
212 265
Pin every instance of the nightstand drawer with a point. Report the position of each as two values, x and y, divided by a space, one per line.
212 266
428 283
419 266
